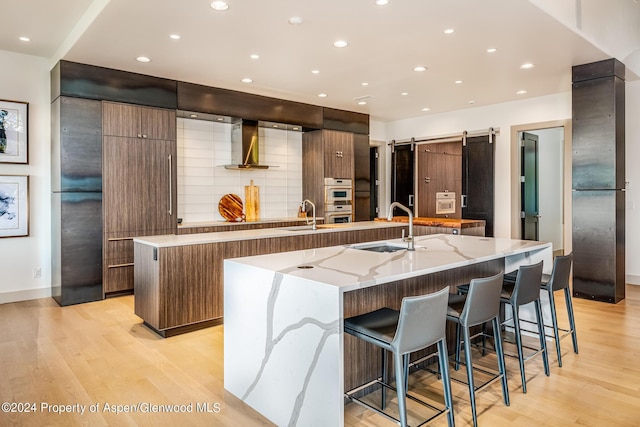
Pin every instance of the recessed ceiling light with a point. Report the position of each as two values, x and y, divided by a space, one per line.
295 20
143 59
175 36
340 43
254 56
365 84
449 31
521 92
322 95
315 71
219 5
458 82
426 109
25 39
247 80
381 2
420 68
362 102
472 102
527 66
404 93
491 50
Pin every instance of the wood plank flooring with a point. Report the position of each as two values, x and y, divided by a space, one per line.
100 353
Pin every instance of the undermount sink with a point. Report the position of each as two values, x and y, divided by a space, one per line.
380 247
298 228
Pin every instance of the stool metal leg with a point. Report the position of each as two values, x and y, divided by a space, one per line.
385 379
443 359
554 322
572 321
400 388
469 366
457 365
516 327
543 341
502 369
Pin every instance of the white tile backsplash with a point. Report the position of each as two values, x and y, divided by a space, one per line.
204 147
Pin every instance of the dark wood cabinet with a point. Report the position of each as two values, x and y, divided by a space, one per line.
325 154
139 184
439 170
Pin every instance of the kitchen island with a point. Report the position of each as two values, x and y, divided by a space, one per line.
178 279
285 353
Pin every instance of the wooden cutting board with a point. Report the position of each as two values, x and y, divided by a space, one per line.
230 207
252 202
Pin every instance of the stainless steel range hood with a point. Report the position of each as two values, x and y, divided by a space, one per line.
245 146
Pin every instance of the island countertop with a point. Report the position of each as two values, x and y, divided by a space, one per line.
348 268
285 351
169 240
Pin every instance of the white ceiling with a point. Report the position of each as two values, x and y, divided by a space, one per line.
385 43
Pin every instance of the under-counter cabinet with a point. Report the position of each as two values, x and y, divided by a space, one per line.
139 185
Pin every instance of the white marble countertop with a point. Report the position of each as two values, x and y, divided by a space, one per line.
169 240
348 268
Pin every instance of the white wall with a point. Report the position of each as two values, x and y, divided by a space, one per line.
204 146
26 78
632 155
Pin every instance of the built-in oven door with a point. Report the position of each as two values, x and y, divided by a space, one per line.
338 217
336 194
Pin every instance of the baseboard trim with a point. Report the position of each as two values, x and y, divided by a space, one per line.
632 279
26 295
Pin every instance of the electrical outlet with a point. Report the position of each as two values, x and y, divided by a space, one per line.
37 272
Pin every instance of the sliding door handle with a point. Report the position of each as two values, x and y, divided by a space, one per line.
463 200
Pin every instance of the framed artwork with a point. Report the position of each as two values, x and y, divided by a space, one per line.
14 205
14 128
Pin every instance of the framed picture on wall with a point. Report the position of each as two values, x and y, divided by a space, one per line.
13 131
14 205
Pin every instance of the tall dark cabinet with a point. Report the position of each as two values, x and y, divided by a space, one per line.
598 182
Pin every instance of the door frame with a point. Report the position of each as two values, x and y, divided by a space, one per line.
516 202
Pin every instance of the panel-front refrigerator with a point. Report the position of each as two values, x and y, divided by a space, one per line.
598 181
76 200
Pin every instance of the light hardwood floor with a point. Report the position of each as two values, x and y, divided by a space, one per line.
101 353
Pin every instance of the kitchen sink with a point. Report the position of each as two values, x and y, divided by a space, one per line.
380 247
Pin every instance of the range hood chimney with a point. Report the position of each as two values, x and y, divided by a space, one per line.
245 146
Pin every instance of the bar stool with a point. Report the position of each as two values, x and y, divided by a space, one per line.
480 305
525 290
420 323
559 280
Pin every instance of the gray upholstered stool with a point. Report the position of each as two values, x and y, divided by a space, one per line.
558 280
525 290
480 305
420 323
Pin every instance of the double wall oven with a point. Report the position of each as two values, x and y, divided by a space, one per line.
338 200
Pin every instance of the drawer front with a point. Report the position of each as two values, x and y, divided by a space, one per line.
118 276
118 247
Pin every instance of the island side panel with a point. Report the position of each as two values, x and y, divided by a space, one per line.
283 345
147 285
362 360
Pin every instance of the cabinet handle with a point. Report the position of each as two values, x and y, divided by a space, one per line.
463 201
139 135
170 184
410 199
128 264
144 135
118 239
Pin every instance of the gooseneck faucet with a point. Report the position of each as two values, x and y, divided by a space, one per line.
313 221
409 238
